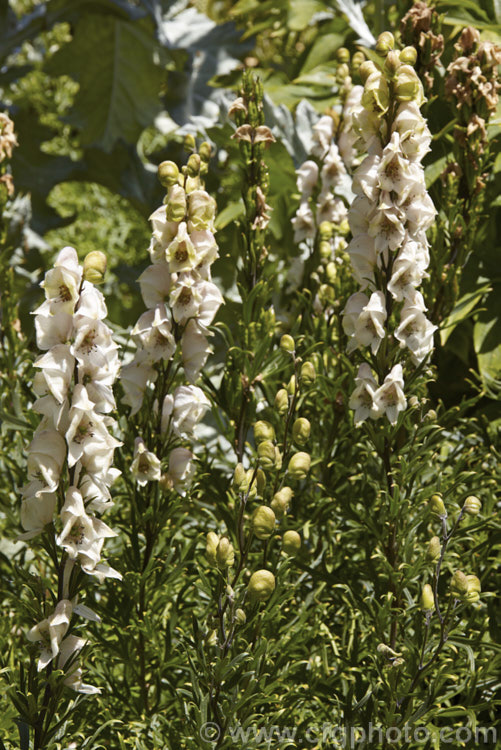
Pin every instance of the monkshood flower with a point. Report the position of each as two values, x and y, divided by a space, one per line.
389 251
71 454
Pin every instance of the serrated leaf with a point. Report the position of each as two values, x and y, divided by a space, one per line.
113 61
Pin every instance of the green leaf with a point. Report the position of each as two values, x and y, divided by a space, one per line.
487 337
461 311
322 50
113 61
230 213
433 171
469 4
301 13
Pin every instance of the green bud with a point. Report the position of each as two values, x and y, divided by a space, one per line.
385 43
331 272
240 617
287 343
367 69
472 505
325 249
281 501
342 72
291 543
392 62
376 96
211 548
168 173
343 55
263 431
437 506
261 585
474 589
239 476
260 481
434 549
357 60
266 454
205 151
263 522
301 431
225 555
291 386
193 165
190 143
278 458
408 86
387 652
408 56
248 487
325 230
176 204
211 638
299 465
94 267
308 373
459 584
282 401
427 599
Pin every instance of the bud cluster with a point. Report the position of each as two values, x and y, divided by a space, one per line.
71 455
388 220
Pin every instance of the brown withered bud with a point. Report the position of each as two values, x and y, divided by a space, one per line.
238 105
417 19
468 41
261 134
262 214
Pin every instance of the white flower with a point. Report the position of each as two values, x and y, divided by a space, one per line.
181 254
181 468
57 366
354 306
415 137
94 489
62 283
366 177
332 168
362 254
307 178
201 211
153 333
98 375
394 171
303 223
206 251
369 326
135 377
145 465
53 329
415 330
91 302
183 410
323 133
362 398
330 208
419 209
155 283
194 351
67 653
51 632
360 214
389 398
36 513
47 453
82 535
386 227
87 435
408 270
91 336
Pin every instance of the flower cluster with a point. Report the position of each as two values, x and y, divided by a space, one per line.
389 249
182 302
71 455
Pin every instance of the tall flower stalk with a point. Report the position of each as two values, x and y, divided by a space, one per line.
70 464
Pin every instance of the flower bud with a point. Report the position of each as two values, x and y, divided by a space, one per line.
366 69
472 505
94 266
260 481
385 43
434 549
408 86
291 385
247 486
408 56
342 72
387 652
299 465
239 476
211 548
459 584
193 165
325 249
282 401
437 506
301 431
261 585
392 62
331 272
287 343
376 96
176 204
190 143
225 555
281 500
343 55
278 458
168 173
325 230
266 454
291 543
240 617
263 431
427 600
263 522
211 638
474 589
308 373
205 151
357 60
